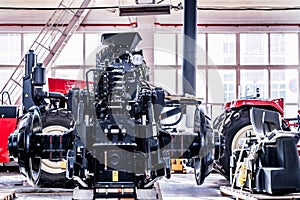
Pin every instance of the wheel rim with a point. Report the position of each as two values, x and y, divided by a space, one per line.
35 169
237 141
34 164
51 166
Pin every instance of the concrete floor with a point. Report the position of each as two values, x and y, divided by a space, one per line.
180 186
183 186
16 181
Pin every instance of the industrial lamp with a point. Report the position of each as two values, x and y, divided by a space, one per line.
145 9
145 1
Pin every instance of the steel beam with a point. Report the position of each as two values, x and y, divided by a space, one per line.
189 49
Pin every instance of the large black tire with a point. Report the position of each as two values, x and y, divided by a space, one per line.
218 122
52 175
217 128
235 125
199 170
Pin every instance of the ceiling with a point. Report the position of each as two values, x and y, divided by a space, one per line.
111 16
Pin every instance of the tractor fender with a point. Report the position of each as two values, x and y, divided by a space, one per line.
276 104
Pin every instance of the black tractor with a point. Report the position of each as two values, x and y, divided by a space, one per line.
115 136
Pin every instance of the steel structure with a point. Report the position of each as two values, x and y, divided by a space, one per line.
50 41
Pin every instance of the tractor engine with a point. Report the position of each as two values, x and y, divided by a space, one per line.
118 140
115 142
122 129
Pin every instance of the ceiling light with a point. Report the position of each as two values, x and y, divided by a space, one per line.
145 1
145 9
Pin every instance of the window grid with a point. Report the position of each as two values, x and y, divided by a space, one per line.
276 47
268 67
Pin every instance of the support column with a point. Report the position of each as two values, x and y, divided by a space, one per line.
146 30
189 48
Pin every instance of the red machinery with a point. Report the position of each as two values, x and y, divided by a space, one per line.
275 104
234 124
9 113
64 85
8 122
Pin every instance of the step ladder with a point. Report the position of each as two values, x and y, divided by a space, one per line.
50 41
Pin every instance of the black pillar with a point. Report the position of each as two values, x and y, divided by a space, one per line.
189 47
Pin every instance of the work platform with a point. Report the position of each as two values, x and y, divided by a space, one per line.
245 195
180 186
7 194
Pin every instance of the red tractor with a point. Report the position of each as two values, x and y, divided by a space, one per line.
9 114
234 124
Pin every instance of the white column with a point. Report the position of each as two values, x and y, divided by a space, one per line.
146 29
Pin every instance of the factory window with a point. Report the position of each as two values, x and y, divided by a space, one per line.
221 85
164 49
92 47
75 74
221 88
284 84
251 80
278 86
278 90
229 82
5 74
290 111
254 49
284 49
44 43
221 49
200 49
41 52
200 83
10 51
273 78
166 78
72 53
28 41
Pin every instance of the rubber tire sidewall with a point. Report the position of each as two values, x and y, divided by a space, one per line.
238 120
55 117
